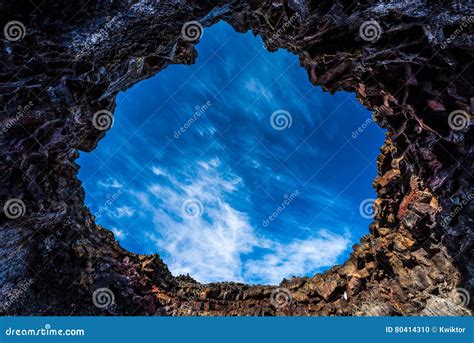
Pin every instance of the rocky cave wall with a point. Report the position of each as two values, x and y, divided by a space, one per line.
76 56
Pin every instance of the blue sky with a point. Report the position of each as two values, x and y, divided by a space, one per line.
235 168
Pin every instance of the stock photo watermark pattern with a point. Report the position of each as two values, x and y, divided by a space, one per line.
192 208
464 25
201 191
356 133
287 24
462 296
289 198
459 120
15 295
281 120
103 298
199 111
21 112
46 331
455 212
192 31
370 31
368 208
107 206
281 297
14 208
14 31
103 120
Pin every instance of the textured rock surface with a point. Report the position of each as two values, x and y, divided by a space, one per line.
76 56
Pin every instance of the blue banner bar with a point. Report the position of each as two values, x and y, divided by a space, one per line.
237 329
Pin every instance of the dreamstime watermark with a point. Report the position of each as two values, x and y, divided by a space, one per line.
281 30
192 208
46 331
459 120
288 200
14 30
464 24
100 36
463 203
103 120
187 304
281 120
144 7
462 297
361 128
192 31
12 296
262 311
103 297
199 111
113 27
105 207
280 298
21 111
368 209
14 208
167 51
370 31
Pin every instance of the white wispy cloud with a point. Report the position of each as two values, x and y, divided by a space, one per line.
254 85
215 245
209 246
157 171
110 183
297 258
124 211
222 244
119 234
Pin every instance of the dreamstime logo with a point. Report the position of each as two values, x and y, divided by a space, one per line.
289 198
281 120
361 128
21 111
104 34
103 120
47 330
260 311
462 297
371 309
192 208
103 297
187 308
192 31
14 30
383 110
462 204
281 30
370 31
464 24
458 120
14 208
199 111
14 295
105 207
367 208
280 297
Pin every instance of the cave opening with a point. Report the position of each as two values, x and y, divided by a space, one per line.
235 168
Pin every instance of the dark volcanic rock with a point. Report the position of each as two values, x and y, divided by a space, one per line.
75 57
